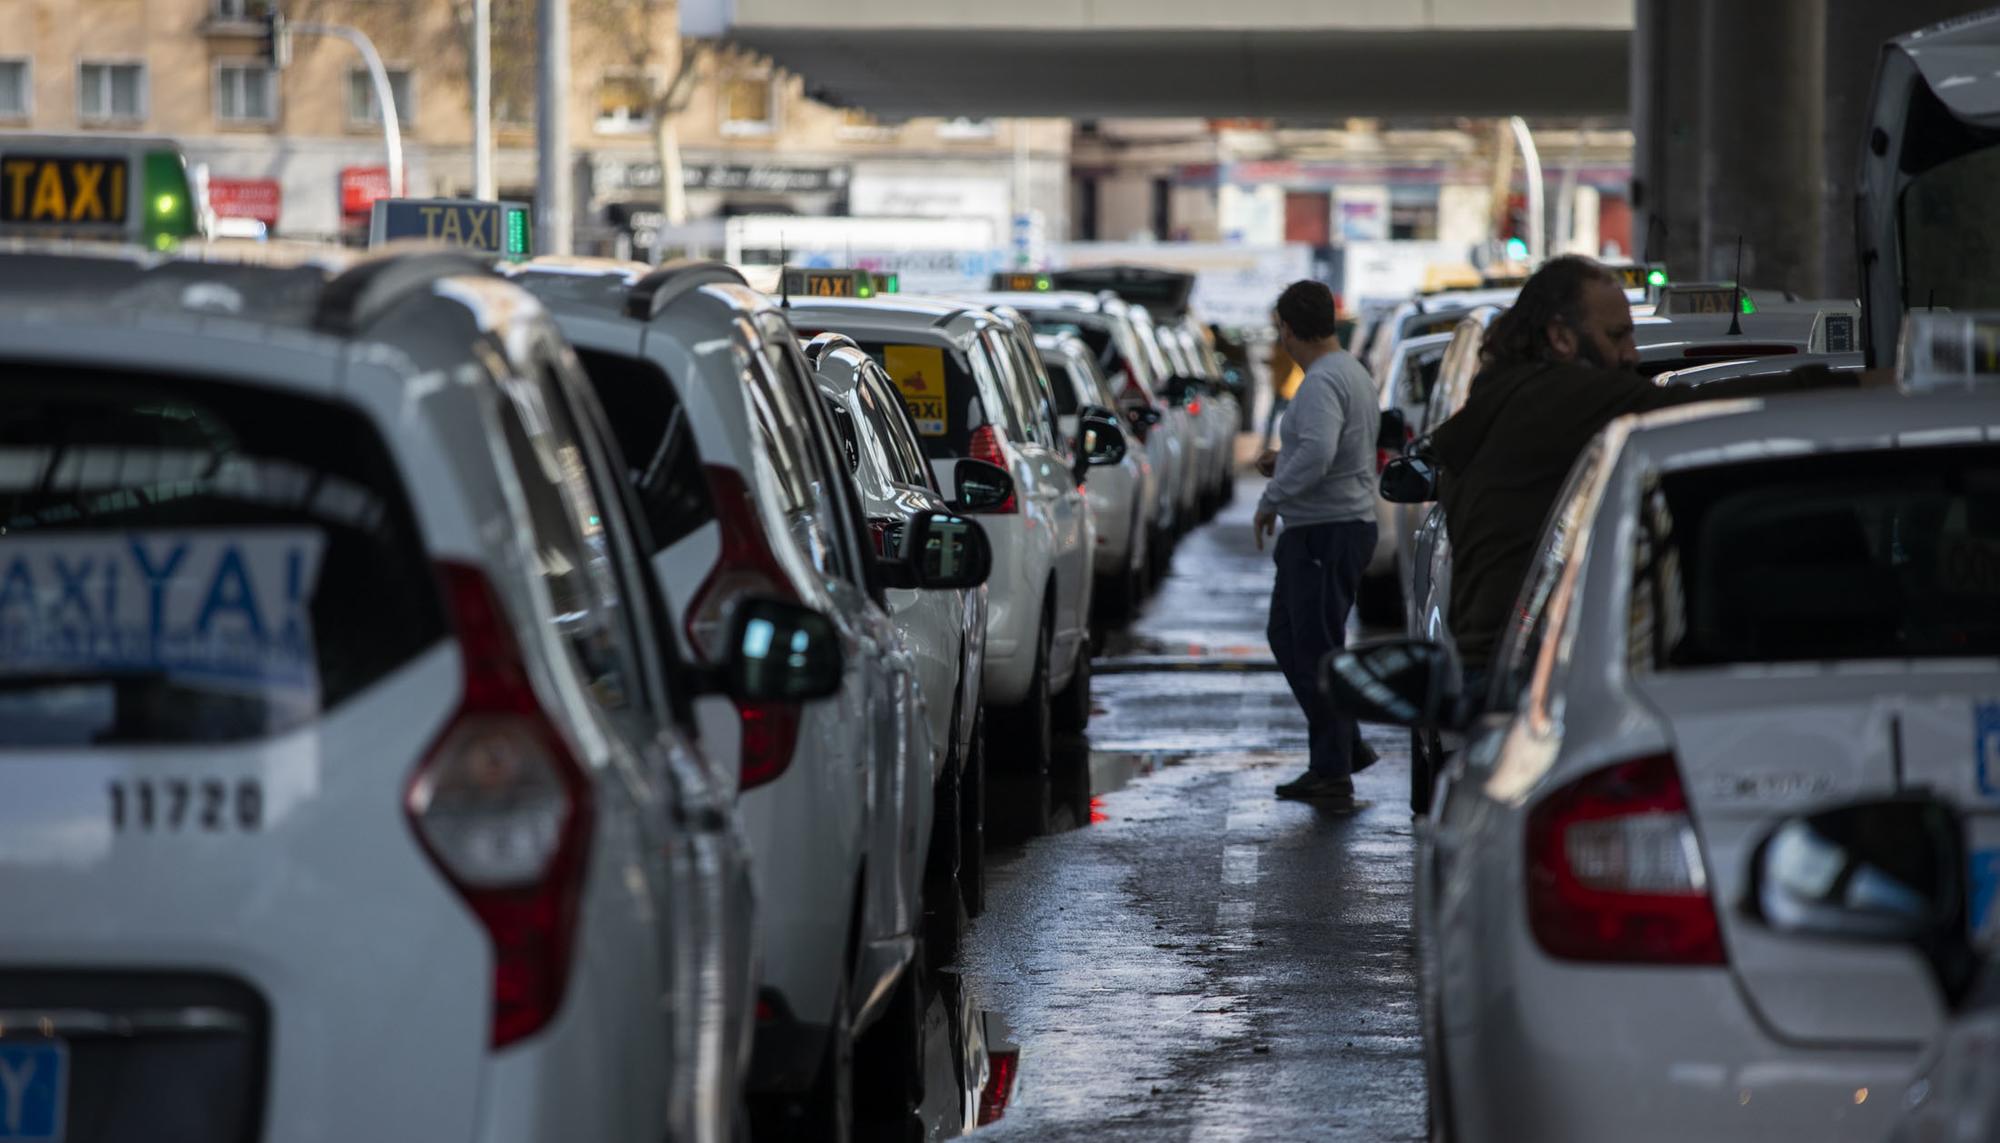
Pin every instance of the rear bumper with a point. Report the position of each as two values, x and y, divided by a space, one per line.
1589 1053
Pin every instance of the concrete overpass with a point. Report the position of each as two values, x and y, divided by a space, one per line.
1252 58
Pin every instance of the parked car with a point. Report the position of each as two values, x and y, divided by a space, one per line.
362 728
1120 336
945 629
1121 496
704 378
963 376
1737 613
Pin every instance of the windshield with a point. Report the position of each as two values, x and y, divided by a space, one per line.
1892 554
180 562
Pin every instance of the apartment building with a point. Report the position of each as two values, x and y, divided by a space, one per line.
302 150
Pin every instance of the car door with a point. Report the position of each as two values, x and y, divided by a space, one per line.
584 552
713 932
1056 488
896 736
931 622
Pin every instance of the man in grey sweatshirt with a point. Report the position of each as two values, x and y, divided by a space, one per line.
1323 488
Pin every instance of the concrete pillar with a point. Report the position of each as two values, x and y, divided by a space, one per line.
1666 123
1855 32
1763 144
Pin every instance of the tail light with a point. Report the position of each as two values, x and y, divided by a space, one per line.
1615 871
1194 407
999 1087
985 445
1383 456
503 807
746 567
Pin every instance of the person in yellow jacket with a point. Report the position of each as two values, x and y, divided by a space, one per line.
1286 375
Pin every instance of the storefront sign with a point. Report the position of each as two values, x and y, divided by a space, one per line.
360 187
246 198
610 176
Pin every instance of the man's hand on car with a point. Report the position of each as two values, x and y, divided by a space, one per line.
1267 462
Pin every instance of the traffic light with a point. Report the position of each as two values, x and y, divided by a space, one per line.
277 39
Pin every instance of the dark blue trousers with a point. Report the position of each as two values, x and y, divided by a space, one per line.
1319 570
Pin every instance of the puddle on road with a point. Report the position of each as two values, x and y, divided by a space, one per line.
1021 807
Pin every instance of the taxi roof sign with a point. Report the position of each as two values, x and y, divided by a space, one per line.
818 282
501 229
1704 298
1945 350
1022 282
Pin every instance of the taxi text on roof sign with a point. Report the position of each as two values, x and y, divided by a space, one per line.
819 283
497 228
1949 350
1679 301
1022 282
62 190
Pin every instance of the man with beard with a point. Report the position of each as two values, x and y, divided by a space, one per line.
1557 367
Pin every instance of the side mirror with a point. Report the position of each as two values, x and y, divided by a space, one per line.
1409 480
1403 682
947 552
978 486
1395 431
782 652
1099 440
1891 871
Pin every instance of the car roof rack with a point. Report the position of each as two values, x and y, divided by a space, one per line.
825 343
358 296
650 294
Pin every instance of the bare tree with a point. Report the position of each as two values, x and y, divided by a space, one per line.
645 36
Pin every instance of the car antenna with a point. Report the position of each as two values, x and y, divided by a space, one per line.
1736 306
1655 226
784 277
1930 300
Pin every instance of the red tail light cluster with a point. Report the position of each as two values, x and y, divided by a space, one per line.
503 807
999 1089
747 567
1615 871
985 445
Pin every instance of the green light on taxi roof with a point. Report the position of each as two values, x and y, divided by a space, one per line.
166 204
864 291
1656 278
1749 307
1042 282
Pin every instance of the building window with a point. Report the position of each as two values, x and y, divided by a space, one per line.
965 130
749 105
623 105
860 126
14 89
245 93
239 11
111 92
363 111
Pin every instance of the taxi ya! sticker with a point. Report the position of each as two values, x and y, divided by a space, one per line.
222 606
918 371
56 190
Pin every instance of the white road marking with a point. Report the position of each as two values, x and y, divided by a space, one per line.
1239 865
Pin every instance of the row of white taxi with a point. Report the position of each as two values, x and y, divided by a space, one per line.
446 699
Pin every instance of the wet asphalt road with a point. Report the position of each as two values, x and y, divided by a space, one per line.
1178 954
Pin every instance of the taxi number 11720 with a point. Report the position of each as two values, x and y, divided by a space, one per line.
175 805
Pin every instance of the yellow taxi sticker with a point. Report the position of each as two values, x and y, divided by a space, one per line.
918 371
60 190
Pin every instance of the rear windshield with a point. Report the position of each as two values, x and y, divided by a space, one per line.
938 389
1110 351
1892 554
187 562
1950 228
656 442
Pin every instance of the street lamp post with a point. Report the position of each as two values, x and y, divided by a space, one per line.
385 96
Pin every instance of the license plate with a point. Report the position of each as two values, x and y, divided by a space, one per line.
34 1090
